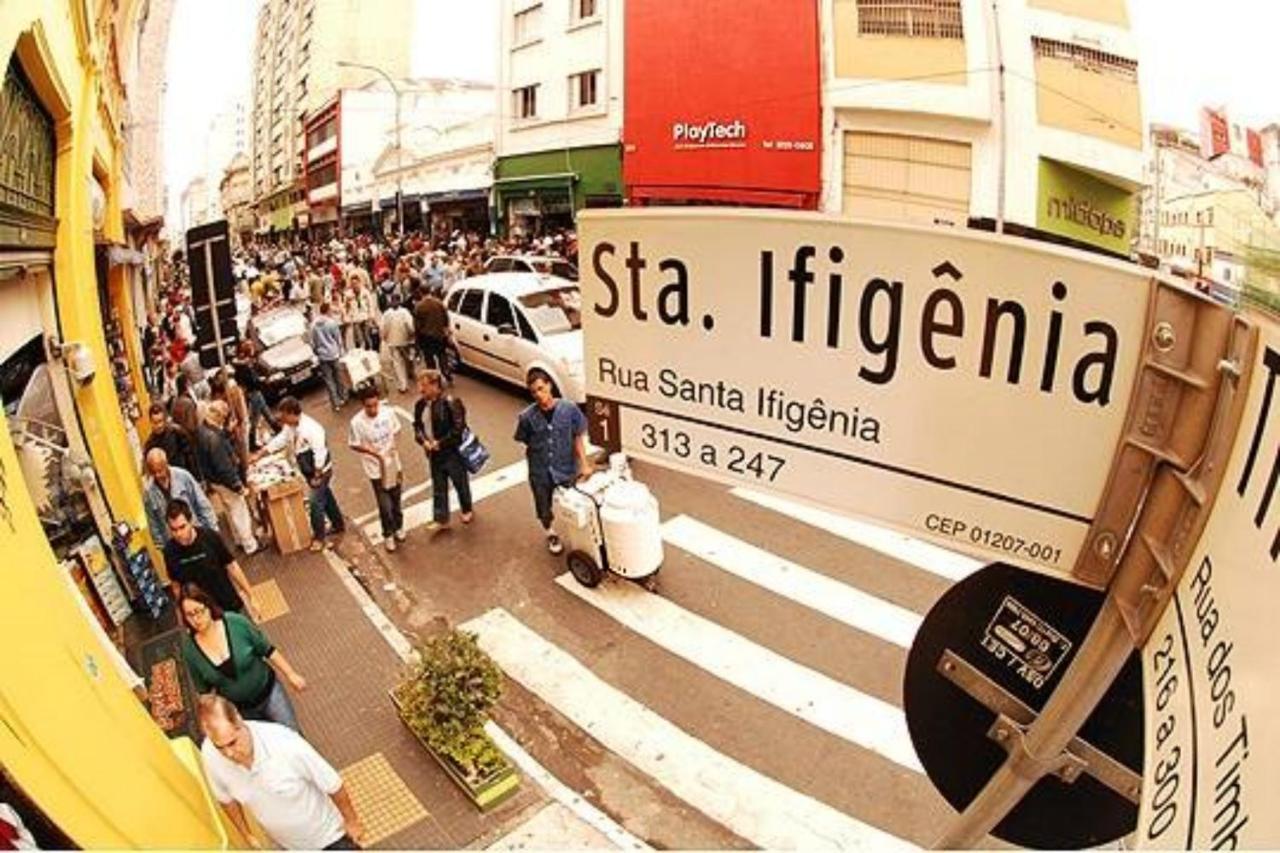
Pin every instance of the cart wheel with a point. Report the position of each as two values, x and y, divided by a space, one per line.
584 569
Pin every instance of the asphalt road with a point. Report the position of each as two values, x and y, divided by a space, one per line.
754 701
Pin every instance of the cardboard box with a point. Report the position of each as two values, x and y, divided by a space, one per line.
287 513
358 367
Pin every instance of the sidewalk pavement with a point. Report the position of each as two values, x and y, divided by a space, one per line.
403 797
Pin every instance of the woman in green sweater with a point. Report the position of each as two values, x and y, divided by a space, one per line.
229 655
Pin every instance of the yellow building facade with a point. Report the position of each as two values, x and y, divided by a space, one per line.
74 738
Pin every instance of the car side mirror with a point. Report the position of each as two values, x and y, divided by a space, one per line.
507 329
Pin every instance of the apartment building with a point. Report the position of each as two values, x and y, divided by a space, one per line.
441 166
199 203
304 52
922 126
560 103
354 168
1210 238
1176 168
1210 210
235 194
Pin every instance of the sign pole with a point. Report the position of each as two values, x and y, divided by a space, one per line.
213 301
1168 527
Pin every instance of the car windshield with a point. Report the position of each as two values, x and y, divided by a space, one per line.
281 327
554 311
555 267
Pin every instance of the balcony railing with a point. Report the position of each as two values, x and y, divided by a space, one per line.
939 19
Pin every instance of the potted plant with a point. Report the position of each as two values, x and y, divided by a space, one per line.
445 700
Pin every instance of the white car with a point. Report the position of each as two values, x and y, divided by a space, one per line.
511 324
544 264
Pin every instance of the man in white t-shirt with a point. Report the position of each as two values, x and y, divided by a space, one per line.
292 792
304 438
373 435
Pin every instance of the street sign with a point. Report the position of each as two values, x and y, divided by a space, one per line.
963 388
213 293
1212 696
995 646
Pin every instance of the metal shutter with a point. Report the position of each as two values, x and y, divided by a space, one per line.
906 178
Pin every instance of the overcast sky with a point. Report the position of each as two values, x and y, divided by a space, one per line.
1188 59
211 63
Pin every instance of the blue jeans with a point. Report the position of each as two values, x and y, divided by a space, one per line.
324 504
447 467
276 708
544 486
259 410
390 510
329 373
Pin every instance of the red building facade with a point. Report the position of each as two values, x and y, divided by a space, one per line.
723 103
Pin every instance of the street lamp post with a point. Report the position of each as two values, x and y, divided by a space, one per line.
399 150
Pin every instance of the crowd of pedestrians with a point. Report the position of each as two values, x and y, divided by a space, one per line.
209 426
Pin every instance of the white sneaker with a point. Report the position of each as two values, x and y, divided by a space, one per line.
401 535
391 544
554 545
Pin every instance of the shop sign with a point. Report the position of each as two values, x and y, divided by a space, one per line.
690 123
1255 147
1081 207
1212 706
709 134
1215 133
967 389
523 207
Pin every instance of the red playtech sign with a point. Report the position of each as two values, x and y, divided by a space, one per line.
718 113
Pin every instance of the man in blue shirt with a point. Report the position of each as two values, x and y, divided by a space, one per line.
326 341
553 432
167 483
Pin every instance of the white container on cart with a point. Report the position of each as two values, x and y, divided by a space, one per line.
610 523
632 529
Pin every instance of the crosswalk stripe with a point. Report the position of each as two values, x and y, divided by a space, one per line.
743 800
557 790
839 601
939 561
418 514
812 696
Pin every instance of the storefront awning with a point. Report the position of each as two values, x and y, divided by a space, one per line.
388 203
533 182
455 195
723 195
118 255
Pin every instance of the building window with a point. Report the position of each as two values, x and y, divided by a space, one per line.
584 90
939 19
528 25
323 176
526 102
323 133
584 10
1087 58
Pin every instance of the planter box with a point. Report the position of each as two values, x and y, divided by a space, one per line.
485 791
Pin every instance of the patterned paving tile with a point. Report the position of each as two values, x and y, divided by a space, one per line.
270 600
381 798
